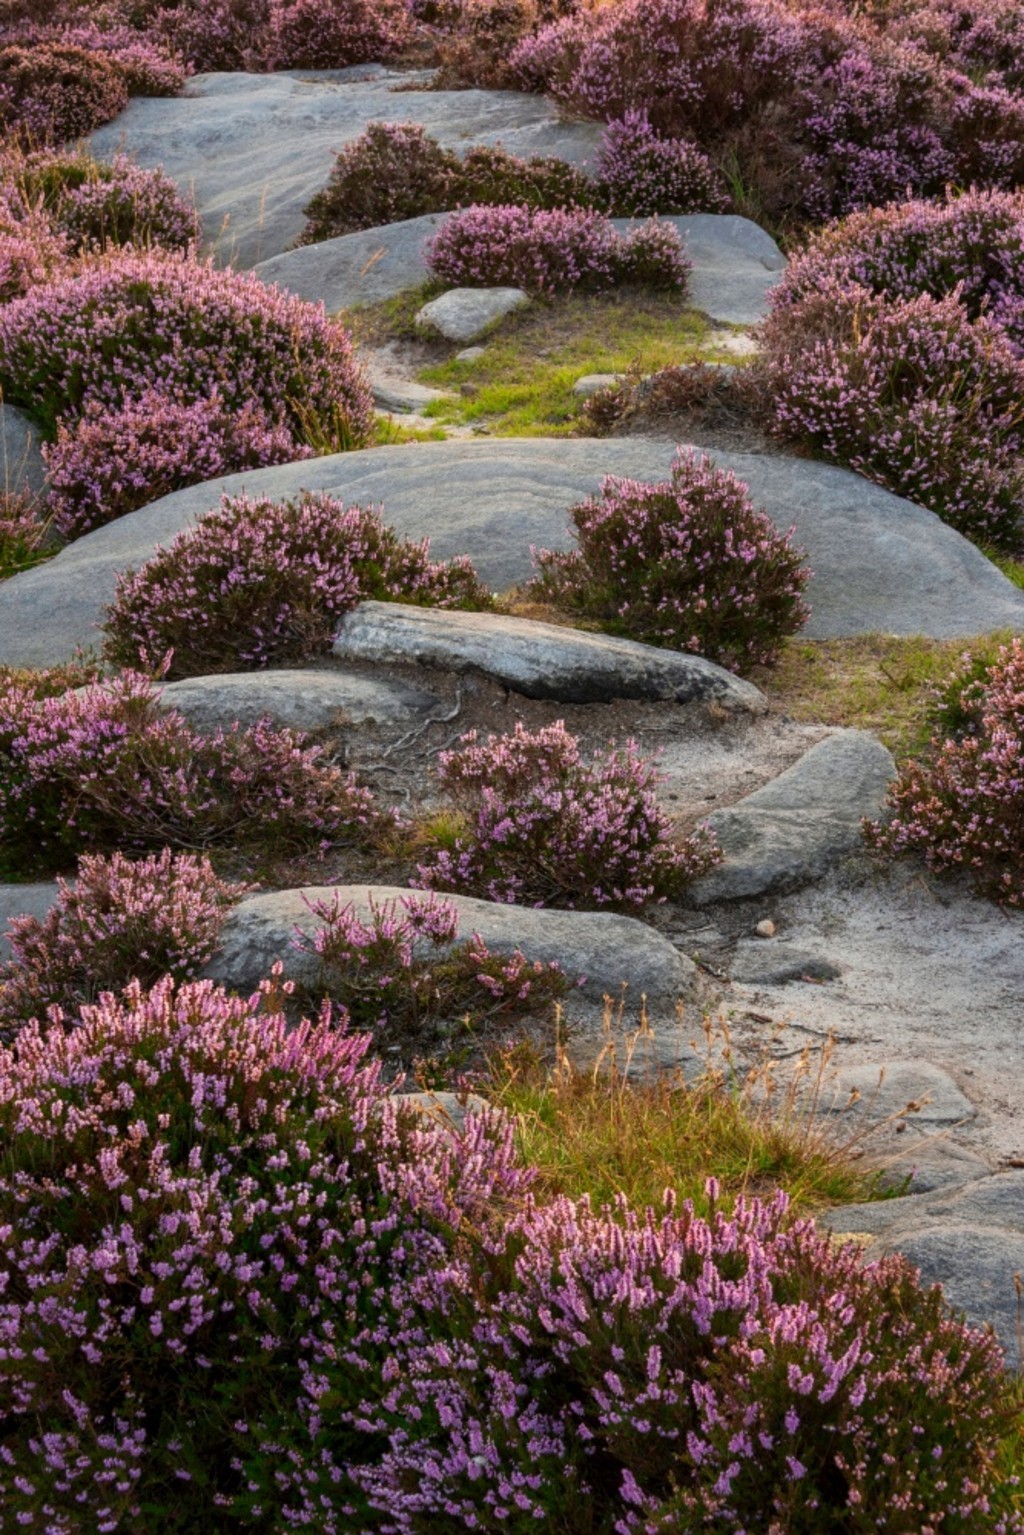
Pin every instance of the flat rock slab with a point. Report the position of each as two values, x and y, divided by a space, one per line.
880 563
537 660
609 951
23 901
884 1090
465 314
360 268
760 963
736 264
253 149
22 470
800 825
301 699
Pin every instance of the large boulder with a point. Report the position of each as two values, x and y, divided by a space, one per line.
881 564
608 951
538 660
796 828
253 149
360 268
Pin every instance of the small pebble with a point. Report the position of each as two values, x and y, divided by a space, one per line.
470 353
765 929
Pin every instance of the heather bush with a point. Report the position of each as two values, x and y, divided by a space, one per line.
261 581
537 826
142 59
24 532
549 251
405 967
688 563
330 34
470 41
93 205
970 245
640 172
122 920
112 462
367 1325
397 171
31 250
105 767
962 809
211 1224
911 393
53 91
214 34
134 322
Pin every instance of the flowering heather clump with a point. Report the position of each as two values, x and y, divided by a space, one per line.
549 251
261 581
969 244
392 171
31 250
105 767
911 393
330 34
120 921
215 34
94 204
133 322
640 172
110 463
53 91
215 1229
405 966
963 810
143 61
541 828
489 174
640 1374
24 533
688 563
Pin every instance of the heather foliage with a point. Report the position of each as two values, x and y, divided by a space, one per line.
911 393
369 1326
406 967
641 172
688 563
24 534
331 34
141 58
31 250
551 251
970 245
121 920
261 581
54 91
105 767
134 322
540 827
963 808
94 204
111 462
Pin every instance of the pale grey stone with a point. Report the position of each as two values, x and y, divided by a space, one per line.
800 825
23 901
880 563
975 1266
463 314
447 1110
301 699
21 460
757 963
593 383
470 354
608 951
360 268
735 264
885 1088
404 398
538 660
253 149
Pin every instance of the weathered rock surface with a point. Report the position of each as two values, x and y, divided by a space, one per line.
405 397
22 470
255 148
880 563
757 963
609 951
465 314
301 699
802 823
23 901
538 660
735 264
360 268
882 1091
445 1109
